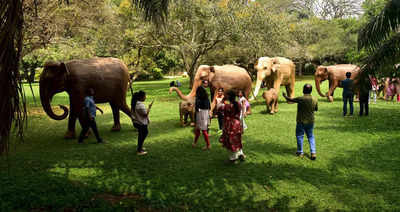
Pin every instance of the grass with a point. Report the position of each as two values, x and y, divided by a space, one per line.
357 166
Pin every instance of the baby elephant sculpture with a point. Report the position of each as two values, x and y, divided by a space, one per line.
186 108
271 100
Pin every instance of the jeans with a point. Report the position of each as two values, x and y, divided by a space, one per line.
143 132
348 98
373 94
85 128
308 129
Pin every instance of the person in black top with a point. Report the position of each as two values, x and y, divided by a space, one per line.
202 107
365 87
347 94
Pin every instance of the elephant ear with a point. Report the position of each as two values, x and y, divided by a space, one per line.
325 69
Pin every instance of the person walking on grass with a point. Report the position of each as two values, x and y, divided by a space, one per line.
202 108
365 87
88 114
348 94
306 105
217 101
140 118
231 137
374 88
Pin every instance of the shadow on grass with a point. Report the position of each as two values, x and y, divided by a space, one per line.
180 177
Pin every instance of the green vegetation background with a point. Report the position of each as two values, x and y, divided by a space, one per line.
356 169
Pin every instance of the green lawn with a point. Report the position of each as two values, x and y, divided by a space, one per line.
357 167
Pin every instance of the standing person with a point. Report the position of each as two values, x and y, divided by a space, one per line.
348 94
244 104
365 87
374 88
88 116
202 107
389 89
140 118
220 115
231 137
306 105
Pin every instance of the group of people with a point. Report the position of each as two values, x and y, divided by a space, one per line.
140 118
230 113
231 108
368 89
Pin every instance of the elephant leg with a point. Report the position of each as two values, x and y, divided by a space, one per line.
271 107
126 110
185 119
117 125
70 134
331 90
192 119
181 116
289 92
75 110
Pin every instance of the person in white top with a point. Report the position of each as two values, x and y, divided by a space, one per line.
243 112
140 118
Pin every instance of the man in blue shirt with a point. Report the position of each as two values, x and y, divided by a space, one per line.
347 94
88 117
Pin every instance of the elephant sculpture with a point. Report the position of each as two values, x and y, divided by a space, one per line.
186 108
271 100
228 77
275 71
107 76
334 74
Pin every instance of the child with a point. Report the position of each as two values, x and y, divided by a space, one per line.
231 137
220 115
140 118
244 104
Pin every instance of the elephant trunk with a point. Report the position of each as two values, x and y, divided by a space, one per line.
179 92
196 84
317 85
45 98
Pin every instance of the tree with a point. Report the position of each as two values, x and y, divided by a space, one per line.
381 37
12 101
192 30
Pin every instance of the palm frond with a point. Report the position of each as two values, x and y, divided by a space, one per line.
155 11
12 99
386 56
380 27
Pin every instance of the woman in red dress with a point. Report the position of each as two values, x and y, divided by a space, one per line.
231 137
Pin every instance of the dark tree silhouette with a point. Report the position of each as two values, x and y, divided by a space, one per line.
381 36
12 100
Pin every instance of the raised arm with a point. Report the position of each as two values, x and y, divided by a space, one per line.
101 111
289 99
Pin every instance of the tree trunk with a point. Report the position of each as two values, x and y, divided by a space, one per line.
301 66
12 99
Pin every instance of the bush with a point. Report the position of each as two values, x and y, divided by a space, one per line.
156 73
309 69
